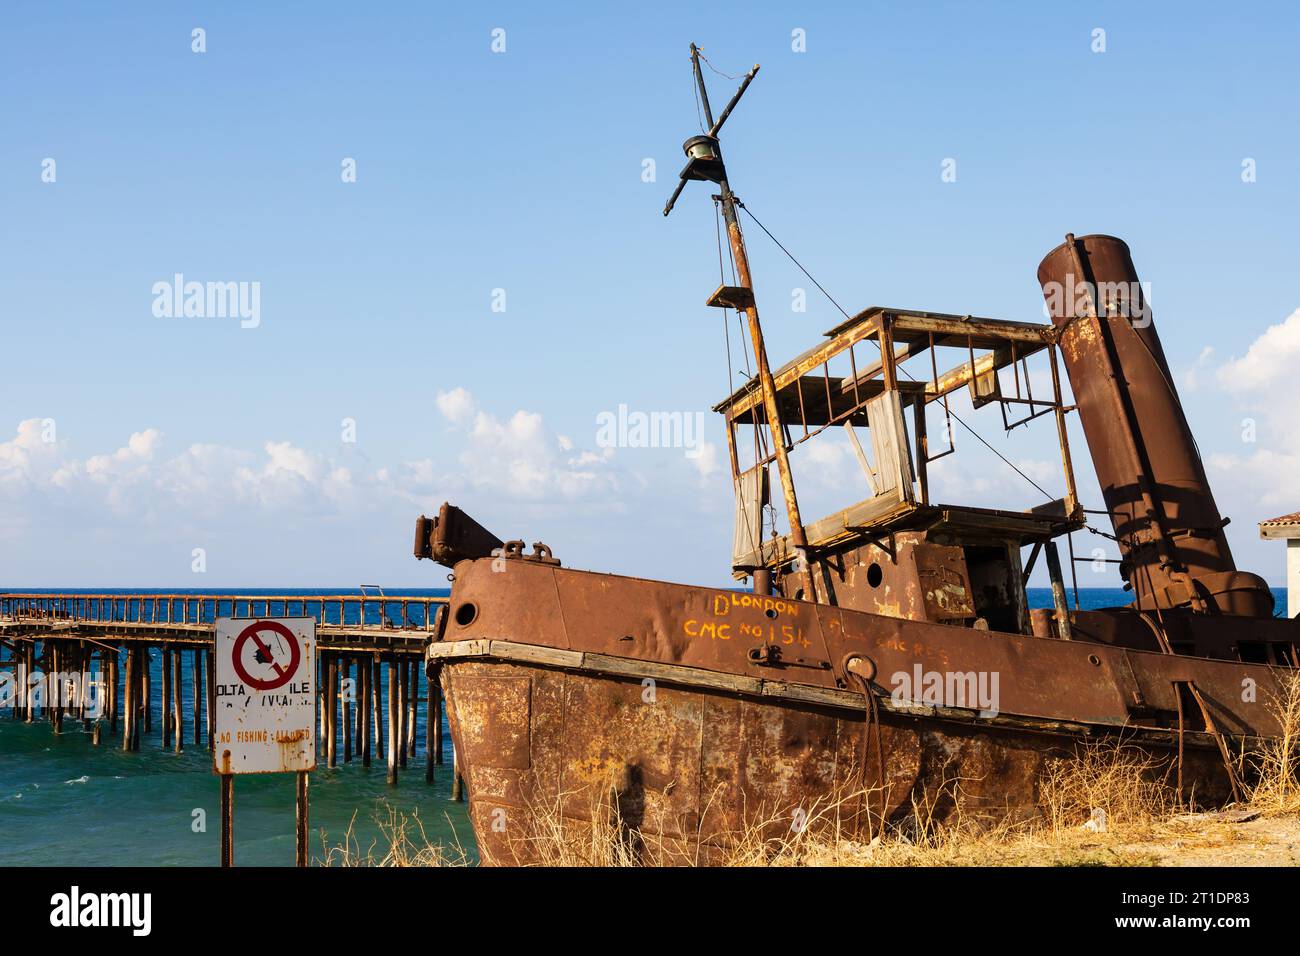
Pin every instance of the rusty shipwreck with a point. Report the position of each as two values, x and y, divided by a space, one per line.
862 655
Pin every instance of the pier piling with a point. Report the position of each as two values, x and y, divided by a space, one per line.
212 696
400 743
393 720
430 718
128 715
365 673
166 694
54 687
435 692
112 689
144 667
349 698
178 710
376 709
196 683
413 711
331 715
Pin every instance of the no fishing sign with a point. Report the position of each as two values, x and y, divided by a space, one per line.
265 681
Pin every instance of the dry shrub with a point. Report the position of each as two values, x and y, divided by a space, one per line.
1274 765
1108 781
831 830
549 838
603 837
407 844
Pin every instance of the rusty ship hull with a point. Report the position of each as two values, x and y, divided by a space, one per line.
572 692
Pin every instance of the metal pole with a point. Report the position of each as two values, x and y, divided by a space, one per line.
1058 591
227 819
302 818
768 385
775 426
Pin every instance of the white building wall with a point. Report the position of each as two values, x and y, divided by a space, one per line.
1293 577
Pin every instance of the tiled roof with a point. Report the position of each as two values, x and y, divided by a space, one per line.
1284 528
1292 518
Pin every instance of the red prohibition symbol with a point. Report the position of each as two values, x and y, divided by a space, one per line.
284 671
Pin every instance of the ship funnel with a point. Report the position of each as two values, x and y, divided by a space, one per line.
1173 551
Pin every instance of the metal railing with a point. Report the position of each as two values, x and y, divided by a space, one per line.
330 610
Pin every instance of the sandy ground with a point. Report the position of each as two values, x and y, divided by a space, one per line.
1187 840
1264 841
1219 839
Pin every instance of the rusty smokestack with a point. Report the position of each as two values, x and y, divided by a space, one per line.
1170 533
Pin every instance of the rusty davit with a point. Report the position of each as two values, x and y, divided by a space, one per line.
885 652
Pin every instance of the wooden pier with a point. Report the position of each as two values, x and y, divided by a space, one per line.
107 648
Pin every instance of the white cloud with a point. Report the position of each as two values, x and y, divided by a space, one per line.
140 506
131 459
1271 360
518 457
1265 477
27 457
705 458
1260 477
1192 376
1263 383
457 406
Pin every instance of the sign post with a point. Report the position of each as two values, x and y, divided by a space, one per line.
266 711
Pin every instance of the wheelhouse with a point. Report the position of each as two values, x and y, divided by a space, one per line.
897 550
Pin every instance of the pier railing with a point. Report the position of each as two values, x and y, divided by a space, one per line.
330 610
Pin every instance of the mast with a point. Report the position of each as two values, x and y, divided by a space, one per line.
705 162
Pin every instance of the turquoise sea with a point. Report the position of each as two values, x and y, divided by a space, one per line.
64 801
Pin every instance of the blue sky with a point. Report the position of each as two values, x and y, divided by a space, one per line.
522 171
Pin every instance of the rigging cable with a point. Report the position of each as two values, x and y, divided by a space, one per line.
726 76
699 115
